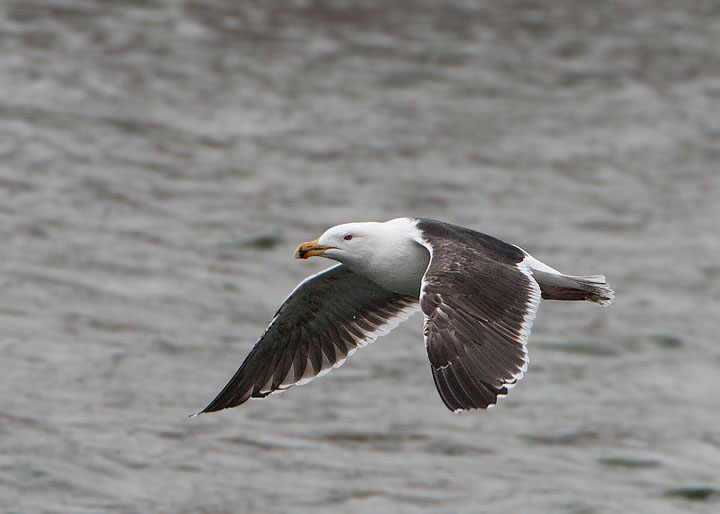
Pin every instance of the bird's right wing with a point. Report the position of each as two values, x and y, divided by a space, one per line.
324 320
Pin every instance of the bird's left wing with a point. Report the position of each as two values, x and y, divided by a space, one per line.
479 300
324 320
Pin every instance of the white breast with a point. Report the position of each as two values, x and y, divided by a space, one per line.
397 262
402 272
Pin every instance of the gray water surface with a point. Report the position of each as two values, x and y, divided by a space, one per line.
160 161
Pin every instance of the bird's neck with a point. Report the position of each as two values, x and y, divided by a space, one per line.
397 266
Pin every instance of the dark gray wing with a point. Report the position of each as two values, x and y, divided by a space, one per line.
323 321
479 301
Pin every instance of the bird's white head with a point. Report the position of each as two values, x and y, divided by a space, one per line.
355 243
344 243
387 253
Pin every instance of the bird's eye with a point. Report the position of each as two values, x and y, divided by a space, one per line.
348 237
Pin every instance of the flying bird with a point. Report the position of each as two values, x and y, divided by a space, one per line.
479 296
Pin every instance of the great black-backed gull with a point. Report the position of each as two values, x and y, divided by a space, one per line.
478 294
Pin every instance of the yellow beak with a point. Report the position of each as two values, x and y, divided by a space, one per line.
310 249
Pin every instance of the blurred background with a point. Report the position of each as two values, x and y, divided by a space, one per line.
160 160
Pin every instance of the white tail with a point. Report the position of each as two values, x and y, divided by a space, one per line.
556 286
